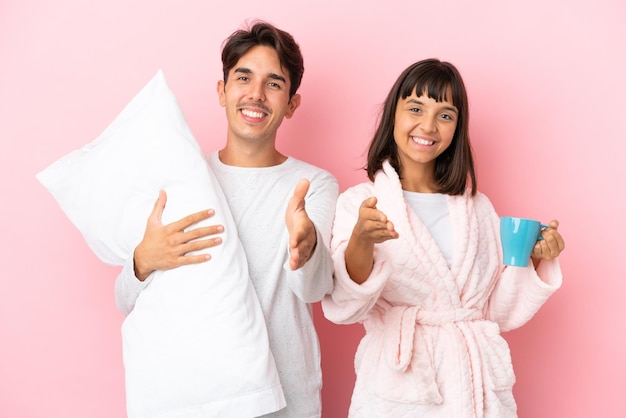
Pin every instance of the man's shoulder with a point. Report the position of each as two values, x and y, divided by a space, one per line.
310 170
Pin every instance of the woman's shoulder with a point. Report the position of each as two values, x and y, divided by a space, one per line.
355 195
359 190
482 203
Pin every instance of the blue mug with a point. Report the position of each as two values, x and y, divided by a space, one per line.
518 237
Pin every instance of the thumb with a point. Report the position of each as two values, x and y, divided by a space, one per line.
370 203
554 224
301 190
159 206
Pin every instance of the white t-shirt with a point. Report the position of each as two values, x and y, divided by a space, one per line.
258 199
432 209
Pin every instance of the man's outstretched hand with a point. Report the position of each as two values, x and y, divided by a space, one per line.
302 235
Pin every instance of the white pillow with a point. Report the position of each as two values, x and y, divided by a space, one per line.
108 187
196 343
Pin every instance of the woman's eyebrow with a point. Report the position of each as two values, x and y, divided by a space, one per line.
451 109
448 108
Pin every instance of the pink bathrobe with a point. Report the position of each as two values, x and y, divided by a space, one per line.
433 346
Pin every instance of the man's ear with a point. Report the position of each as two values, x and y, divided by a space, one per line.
220 93
294 103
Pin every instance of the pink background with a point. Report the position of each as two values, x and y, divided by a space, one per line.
547 98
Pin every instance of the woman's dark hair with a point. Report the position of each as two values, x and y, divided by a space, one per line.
262 33
455 164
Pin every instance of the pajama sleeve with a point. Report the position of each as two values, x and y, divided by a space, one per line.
313 280
128 287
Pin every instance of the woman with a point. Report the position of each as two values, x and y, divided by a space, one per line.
418 261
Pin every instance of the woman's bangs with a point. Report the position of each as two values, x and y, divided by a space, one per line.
435 84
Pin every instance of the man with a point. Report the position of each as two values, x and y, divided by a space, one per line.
283 209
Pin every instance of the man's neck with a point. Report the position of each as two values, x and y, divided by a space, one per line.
250 156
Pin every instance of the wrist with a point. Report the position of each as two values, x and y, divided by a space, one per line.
141 272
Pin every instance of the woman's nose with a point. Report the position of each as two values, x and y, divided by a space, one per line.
428 123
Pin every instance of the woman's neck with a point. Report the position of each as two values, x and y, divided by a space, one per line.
420 180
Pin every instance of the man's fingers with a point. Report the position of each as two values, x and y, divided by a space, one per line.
193 237
200 245
293 259
189 220
183 223
189 253
193 259
298 256
204 231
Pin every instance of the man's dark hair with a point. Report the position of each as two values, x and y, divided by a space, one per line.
263 33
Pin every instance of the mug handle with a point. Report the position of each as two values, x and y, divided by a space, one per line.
539 238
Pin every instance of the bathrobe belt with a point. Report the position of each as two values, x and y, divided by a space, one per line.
401 349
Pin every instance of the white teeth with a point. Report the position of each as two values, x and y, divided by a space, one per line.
252 114
421 141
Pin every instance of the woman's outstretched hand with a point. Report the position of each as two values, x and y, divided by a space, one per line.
372 227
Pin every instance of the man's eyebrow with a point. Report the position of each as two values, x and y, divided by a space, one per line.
277 77
273 76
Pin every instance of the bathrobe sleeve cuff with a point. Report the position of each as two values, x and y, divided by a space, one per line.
350 302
